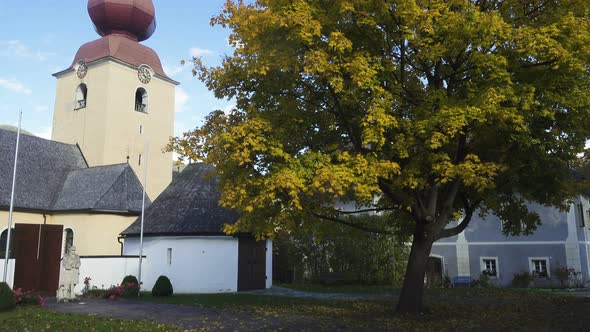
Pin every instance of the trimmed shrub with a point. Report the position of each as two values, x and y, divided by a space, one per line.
162 287
130 286
7 298
522 280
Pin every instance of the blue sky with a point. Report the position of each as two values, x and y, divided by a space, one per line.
41 37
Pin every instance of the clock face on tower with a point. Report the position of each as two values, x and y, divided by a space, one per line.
144 75
82 69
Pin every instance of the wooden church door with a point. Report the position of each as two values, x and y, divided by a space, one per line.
37 254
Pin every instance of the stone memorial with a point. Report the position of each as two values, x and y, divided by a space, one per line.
69 276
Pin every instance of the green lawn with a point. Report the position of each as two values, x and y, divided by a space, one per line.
447 309
348 289
35 319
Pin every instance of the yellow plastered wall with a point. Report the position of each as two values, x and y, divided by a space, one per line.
94 234
109 129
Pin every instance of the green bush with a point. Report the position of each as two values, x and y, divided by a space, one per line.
522 280
162 287
7 298
308 254
131 286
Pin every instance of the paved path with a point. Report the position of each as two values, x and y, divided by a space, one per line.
184 317
282 291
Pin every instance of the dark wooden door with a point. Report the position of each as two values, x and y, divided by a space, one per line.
251 264
37 253
434 271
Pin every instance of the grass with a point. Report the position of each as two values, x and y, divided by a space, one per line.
33 318
446 309
348 289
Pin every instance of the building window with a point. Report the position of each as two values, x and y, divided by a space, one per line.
140 129
489 266
3 238
581 215
81 94
539 267
139 160
68 240
141 100
169 256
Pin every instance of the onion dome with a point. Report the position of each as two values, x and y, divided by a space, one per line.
135 19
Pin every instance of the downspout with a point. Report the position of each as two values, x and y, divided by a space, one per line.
44 219
121 243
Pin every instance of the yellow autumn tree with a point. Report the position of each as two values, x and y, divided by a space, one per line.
429 110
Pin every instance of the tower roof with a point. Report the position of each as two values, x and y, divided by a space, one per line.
122 24
133 18
121 48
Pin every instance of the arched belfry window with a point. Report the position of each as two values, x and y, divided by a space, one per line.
3 238
68 239
141 100
81 94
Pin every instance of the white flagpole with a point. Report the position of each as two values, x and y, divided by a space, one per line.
7 254
142 211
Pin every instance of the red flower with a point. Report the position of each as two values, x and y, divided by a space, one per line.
112 297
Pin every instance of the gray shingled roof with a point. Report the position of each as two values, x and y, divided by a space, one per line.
53 176
112 187
188 206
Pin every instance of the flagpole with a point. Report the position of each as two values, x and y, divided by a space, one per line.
7 253
142 212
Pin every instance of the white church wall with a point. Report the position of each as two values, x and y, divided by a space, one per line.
194 264
9 272
105 271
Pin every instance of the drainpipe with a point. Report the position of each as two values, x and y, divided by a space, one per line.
121 243
44 219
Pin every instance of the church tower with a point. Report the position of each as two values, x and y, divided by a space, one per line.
115 97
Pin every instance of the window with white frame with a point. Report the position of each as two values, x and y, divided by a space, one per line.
539 266
489 266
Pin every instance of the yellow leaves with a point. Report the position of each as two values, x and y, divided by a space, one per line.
353 174
362 71
472 172
379 119
338 42
301 17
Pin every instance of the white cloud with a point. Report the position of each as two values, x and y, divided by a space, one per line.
41 108
228 108
45 132
14 86
173 70
181 98
196 52
16 49
180 128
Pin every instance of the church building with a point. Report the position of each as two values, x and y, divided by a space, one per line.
114 114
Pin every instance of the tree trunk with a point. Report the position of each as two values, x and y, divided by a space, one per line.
410 299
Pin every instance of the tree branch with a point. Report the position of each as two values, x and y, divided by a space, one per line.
362 211
353 225
469 209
